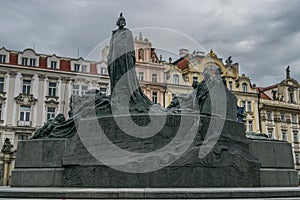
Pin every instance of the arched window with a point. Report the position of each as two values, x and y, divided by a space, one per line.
175 79
244 87
141 54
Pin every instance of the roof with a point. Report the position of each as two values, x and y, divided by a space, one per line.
262 94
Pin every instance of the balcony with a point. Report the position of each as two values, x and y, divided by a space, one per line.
24 123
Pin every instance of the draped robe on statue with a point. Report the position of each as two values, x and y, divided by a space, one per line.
121 67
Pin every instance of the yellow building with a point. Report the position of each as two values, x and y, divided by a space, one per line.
279 109
191 65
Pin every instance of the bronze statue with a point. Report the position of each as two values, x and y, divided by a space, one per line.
121 64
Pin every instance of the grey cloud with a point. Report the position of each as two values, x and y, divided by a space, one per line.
262 36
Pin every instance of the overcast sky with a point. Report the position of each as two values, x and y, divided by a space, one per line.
262 36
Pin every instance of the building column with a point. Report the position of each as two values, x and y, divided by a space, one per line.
44 117
5 105
10 106
35 92
59 88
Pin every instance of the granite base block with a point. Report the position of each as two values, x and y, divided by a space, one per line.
278 177
37 177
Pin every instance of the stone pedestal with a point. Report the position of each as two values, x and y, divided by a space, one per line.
67 162
277 163
39 163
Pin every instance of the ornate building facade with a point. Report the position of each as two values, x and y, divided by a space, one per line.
36 87
279 108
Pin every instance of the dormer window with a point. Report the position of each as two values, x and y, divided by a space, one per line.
24 61
32 62
53 64
76 67
103 70
84 68
80 66
28 58
2 58
4 55
244 87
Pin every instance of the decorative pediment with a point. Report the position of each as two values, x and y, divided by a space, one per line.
25 99
51 101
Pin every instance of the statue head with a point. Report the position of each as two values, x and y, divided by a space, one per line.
121 22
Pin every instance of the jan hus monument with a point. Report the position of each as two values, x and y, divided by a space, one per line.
126 141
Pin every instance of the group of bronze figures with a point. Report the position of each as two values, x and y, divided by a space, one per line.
126 93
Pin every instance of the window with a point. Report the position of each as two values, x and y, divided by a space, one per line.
24 116
294 119
297 157
84 88
249 107
0 111
282 117
23 137
270 133
32 62
26 86
175 79
24 61
295 136
154 97
284 138
195 78
50 113
52 89
76 67
269 116
230 85
244 87
141 76
250 126
103 90
154 78
75 90
2 58
1 84
84 68
103 70
141 54
291 94
243 104
53 64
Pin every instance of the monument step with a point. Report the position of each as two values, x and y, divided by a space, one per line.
150 193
